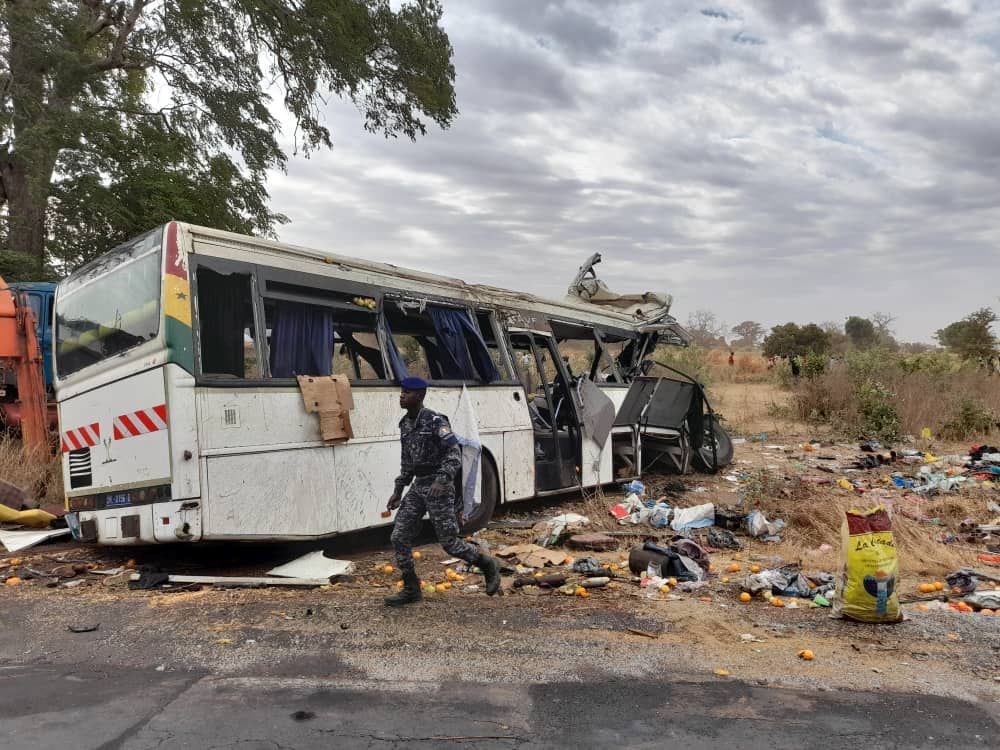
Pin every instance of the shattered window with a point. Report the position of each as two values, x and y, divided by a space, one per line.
225 325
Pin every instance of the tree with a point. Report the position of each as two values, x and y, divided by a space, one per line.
860 331
971 338
79 76
883 330
748 334
705 329
791 340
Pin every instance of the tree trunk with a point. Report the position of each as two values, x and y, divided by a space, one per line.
31 154
26 183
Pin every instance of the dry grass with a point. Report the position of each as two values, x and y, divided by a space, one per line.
816 514
755 408
919 399
40 479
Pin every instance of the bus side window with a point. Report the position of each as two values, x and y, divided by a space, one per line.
414 338
225 320
485 320
357 353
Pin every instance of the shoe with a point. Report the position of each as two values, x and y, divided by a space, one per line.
409 594
491 572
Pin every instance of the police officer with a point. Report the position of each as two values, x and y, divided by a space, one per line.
431 459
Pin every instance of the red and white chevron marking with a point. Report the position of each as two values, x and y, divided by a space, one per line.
82 437
141 422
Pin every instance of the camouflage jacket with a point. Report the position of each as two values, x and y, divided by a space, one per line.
429 448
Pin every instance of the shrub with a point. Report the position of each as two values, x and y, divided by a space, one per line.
878 417
971 418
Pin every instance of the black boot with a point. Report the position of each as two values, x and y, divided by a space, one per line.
491 572
409 594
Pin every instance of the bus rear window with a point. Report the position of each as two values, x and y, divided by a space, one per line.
110 305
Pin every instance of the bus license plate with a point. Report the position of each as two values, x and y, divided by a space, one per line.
118 499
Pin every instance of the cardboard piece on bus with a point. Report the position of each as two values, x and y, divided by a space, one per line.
330 397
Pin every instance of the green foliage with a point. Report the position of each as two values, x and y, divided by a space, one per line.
691 360
813 364
879 418
860 331
169 105
791 340
971 337
972 418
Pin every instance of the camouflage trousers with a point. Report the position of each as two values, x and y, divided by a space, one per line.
441 509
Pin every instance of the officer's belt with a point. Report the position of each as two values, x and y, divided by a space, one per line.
425 471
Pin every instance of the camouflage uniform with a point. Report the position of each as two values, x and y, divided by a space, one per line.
430 453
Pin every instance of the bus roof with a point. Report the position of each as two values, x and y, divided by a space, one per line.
419 281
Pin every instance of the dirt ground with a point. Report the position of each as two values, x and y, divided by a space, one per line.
536 634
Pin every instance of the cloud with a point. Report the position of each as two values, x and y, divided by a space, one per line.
849 164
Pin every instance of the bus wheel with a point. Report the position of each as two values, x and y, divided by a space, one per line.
710 462
489 495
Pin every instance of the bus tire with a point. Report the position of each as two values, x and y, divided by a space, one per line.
489 495
723 447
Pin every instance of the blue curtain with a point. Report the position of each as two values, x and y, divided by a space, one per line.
395 358
301 340
463 354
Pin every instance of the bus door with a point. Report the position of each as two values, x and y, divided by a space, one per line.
554 414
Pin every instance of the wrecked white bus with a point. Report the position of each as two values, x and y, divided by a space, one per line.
181 418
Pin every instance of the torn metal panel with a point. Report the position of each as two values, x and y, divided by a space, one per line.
314 565
15 541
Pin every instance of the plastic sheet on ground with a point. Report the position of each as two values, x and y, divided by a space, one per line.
695 517
15 541
313 565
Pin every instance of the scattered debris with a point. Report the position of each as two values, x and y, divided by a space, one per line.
15 541
83 628
314 565
236 580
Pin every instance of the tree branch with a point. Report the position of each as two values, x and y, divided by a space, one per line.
116 58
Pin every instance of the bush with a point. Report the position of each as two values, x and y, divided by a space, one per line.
971 418
813 365
691 360
877 413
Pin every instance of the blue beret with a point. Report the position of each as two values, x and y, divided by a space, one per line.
414 384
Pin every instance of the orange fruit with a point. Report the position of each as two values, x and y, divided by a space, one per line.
806 655
431 588
672 581
745 597
986 612
15 561
938 586
416 554
777 602
664 589
733 568
725 580
755 569
13 581
387 569
926 588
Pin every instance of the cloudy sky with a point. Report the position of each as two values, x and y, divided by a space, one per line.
773 160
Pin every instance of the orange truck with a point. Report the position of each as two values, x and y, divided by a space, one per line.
21 355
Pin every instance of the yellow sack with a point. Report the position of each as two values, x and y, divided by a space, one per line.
35 519
867 589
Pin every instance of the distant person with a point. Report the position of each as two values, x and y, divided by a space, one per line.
796 370
732 358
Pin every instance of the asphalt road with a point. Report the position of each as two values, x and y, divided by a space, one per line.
83 708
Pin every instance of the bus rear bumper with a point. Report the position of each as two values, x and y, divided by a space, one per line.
156 523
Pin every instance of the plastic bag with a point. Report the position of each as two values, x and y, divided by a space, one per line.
867 589
759 527
660 516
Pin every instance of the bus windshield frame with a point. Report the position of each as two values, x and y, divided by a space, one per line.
129 278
